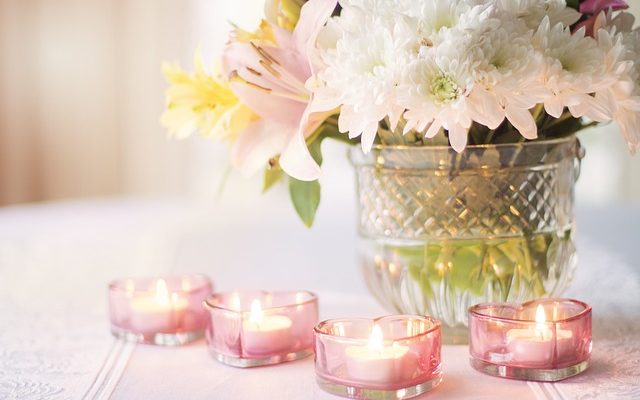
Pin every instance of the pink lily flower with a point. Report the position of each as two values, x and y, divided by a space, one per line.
270 79
595 7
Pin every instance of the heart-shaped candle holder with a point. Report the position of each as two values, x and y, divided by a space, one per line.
544 340
162 311
395 357
256 328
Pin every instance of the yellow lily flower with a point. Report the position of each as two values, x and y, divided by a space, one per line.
284 13
202 102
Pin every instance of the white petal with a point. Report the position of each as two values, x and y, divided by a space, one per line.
458 137
394 117
592 108
629 124
554 107
344 122
632 103
523 121
409 126
485 108
368 137
433 129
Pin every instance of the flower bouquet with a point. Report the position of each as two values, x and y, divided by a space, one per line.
465 112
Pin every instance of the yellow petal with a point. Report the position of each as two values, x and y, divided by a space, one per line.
202 102
264 34
283 13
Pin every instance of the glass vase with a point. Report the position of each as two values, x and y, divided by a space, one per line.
440 231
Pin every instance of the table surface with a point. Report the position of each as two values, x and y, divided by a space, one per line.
56 259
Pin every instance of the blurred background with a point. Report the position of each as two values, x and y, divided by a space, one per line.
81 94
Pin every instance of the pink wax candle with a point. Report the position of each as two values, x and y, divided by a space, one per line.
544 340
394 357
163 311
253 328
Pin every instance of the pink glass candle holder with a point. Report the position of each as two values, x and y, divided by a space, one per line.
395 357
256 328
162 311
544 340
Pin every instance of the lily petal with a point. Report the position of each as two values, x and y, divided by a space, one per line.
313 15
256 145
260 95
296 160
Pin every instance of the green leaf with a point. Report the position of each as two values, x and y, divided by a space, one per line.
464 262
306 195
306 199
315 148
271 177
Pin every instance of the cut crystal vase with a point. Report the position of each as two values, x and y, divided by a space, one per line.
441 231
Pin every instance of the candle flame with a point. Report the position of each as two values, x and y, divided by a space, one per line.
393 269
256 312
541 317
376 340
162 293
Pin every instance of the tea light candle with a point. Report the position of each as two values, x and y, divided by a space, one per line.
265 334
251 329
165 311
391 357
157 311
377 362
554 345
532 345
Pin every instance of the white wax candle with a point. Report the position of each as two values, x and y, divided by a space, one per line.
534 345
156 311
266 334
379 363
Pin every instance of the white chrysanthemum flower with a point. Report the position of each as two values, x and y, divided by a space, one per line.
435 93
433 19
622 61
532 12
573 70
447 63
626 92
506 75
435 15
364 57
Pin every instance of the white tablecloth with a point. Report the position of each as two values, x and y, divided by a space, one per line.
55 262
